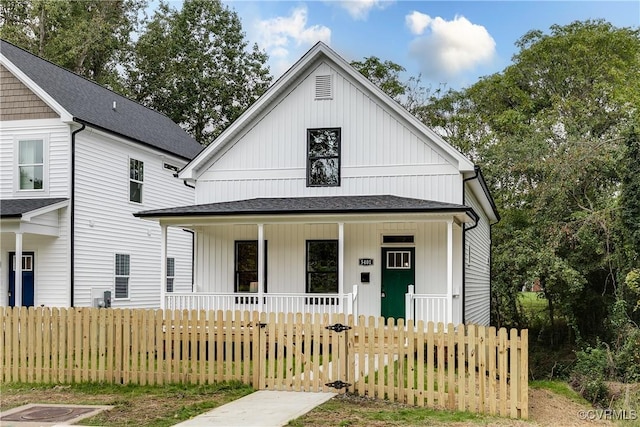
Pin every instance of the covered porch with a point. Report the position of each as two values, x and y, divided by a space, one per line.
361 255
29 226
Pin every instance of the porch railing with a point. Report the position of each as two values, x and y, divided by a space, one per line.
269 302
427 307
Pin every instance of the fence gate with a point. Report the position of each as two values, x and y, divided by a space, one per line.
303 352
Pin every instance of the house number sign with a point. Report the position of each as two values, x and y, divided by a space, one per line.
366 261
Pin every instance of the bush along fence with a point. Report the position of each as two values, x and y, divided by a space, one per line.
468 367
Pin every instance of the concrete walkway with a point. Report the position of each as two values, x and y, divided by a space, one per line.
260 409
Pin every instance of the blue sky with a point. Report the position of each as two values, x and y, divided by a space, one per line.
451 42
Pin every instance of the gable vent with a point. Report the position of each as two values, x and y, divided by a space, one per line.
324 87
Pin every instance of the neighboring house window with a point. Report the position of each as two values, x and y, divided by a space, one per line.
246 266
171 273
136 178
31 164
122 275
323 157
322 266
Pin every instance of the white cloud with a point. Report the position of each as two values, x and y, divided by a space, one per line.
449 48
281 31
417 22
359 9
279 36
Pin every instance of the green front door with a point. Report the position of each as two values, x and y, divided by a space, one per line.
398 272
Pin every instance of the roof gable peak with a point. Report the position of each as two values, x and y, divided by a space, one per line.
318 53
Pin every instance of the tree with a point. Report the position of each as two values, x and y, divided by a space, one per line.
548 131
630 198
386 75
629 202
88 37
193 65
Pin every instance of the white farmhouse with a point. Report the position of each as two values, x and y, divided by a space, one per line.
76 160
327 196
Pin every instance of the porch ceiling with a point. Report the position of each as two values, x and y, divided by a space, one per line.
377 208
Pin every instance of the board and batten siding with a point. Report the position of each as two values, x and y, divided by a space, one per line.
105 224
477 297
56 135
380 152
286 252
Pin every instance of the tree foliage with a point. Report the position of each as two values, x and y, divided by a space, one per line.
549 132
410 93
193 65
88 37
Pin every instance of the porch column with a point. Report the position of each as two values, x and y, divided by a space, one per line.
163 266
449 271
18 271
341 259
260 266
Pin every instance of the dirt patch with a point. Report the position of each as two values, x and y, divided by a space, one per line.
546 409
549 409
155 406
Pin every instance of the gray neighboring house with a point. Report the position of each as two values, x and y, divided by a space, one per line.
76 161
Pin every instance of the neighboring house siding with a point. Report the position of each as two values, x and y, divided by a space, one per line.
17 102
51 253
286 257
105 224
57 157
52 264
478 282
51 261
380 152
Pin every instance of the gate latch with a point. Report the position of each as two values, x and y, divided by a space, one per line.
338 327
338 384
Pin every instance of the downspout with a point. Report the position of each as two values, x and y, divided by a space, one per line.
464 240
491 269
73 210
193 241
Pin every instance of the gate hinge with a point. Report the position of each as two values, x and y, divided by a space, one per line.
262 325
338 327
338 384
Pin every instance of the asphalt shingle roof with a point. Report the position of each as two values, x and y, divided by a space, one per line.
92 104
15 208
310 205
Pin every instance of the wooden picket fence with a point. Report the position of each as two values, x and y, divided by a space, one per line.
473 368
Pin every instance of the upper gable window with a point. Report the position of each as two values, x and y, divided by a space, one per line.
323 157
31 164
136 179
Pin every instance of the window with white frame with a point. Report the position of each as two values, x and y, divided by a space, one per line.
171 273
31 164
122 271
136 179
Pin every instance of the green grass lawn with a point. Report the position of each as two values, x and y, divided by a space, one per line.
534 307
